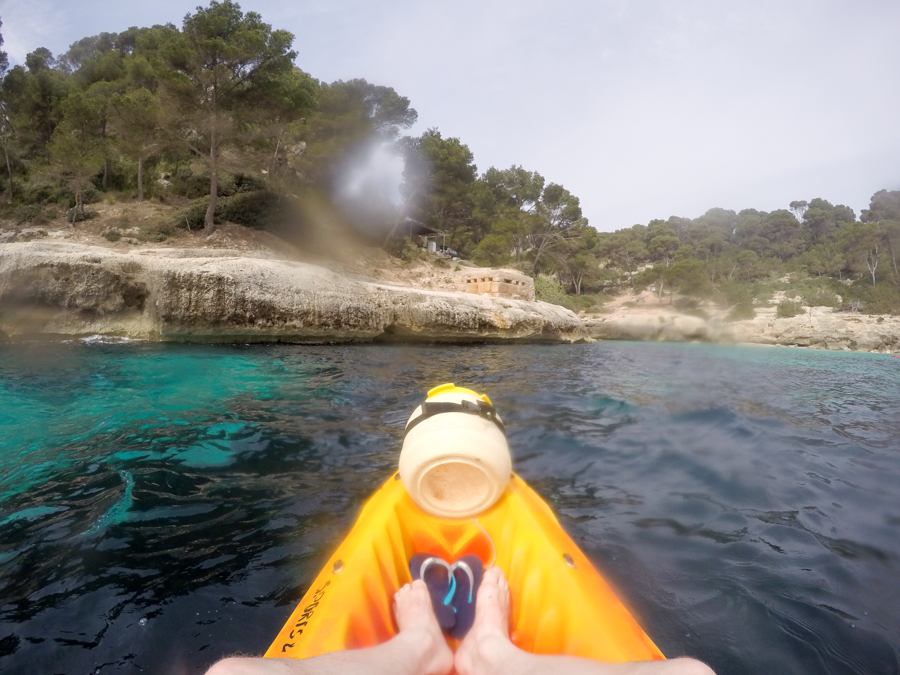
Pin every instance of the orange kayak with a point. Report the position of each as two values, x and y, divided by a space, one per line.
559 604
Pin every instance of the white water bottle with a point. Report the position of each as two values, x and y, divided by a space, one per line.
455 461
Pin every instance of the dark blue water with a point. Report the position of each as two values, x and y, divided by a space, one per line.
162 506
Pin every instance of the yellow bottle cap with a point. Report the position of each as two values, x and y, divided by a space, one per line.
450 387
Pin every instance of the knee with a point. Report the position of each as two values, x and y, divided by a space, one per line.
689 666
229 666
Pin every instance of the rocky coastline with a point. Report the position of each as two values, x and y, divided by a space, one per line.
53 290
814 328
61 290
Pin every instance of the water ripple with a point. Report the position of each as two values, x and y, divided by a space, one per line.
163 505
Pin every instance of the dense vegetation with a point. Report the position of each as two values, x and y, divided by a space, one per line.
217 118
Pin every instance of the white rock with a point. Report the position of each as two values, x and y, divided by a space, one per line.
208 295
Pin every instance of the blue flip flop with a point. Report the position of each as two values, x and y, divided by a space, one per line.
467 572
439 579
452 588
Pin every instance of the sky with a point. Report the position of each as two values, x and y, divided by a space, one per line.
642 108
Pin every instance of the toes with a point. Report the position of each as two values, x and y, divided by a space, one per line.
493 575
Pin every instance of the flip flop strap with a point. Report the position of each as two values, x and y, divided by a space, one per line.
462 565
458 565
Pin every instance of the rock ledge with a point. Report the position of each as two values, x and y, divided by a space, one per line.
50 289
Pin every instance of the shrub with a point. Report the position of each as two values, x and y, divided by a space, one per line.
91 194
881 299
548 289
157 231
257 209
246 183
739 295
192 217
820 297
189 184
112 235
741 311
260 210
43 192
585 302
405 249
28 213
787 309
691 307
492 250
73 215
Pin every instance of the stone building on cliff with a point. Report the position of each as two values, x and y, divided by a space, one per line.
496 283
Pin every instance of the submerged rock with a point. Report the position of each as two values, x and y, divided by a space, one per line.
208 295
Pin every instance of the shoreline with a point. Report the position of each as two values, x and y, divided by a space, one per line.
54 290
61 290
814 328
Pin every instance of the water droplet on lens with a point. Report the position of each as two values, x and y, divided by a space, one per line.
142 622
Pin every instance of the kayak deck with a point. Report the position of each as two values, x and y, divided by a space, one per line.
559 604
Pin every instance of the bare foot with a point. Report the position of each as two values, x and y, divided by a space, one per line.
417 623
487 644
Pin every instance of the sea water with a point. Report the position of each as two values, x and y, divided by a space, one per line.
162 506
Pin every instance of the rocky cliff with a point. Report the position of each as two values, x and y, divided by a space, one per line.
63 289
815 327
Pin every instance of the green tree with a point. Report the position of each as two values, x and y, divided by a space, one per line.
868 240
5 129
348 114
438 177
579 268
76 149
137 123
655 275
4 59
291 96
32 97
221 63
575 261
688 276
86 49
822 219
884 205
492 250
884 209
507 199
663 246
798 208
101 73
556 214
625 249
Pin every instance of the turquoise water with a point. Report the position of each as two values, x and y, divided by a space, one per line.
164 505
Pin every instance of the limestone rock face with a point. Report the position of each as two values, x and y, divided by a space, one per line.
821 328
666 327
817 328
63 289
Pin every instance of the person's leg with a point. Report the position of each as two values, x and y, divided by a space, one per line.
418 649
487 649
